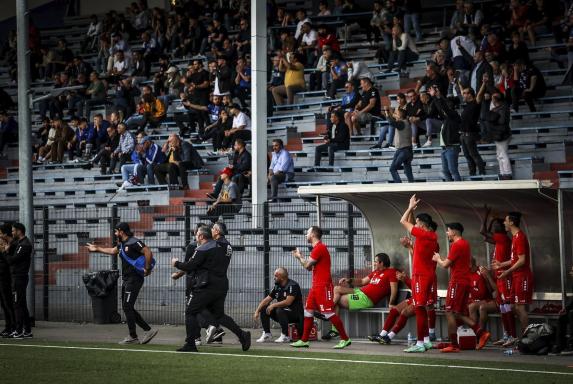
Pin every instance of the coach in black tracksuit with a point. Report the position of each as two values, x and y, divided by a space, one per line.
209 263
19 260
6 301
132 280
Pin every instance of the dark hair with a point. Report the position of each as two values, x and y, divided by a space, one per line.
515 218
20 227
279 142
424 218
383 259
402 112
240 141
315 229
471 92
497 226
6 229
433 226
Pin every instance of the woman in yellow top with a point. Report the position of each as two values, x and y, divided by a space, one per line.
294 78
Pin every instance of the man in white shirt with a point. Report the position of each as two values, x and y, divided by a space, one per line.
308 42
241 127
301 17
281 169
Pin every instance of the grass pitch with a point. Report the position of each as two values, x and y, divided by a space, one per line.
40 362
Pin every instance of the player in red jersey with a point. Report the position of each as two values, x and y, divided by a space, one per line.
357 294
423 271
458 261
481 300
519 269
321 295
496 234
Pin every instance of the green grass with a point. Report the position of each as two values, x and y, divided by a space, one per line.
33 365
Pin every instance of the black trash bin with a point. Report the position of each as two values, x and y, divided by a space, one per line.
102 288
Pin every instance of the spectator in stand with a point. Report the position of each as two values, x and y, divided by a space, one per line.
64 136
195 114
388 131
337 138
518 21
133 174
403 50
229 199
277 79
327 38
377 21
517 49
307 46
103 157
338 75
433 77
294 78
83 142
449 136
150 50
412 11
473 18
301 17
493 47
498 118
323 8
45 151
366 109
281 168
99 127
349 100
119 66
223 78
92 35
462 63
470 131
529 84
95 94
402 142
181 157
122 153
243 39
153 158
150 111
242 81
356 71
432 122
240 168
415 115
216 131
541 18
62 57
320 76
103 53
479 69
138 69
77 66
124 100
241 127
172 86
8 131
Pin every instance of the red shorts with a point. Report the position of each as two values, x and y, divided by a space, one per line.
457 297
320 299
503 291
424 290
522 289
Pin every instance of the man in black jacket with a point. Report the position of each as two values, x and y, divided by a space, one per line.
449 136
19 260
103 157
337 138
241 167
6 247
209 263
181 157
470 132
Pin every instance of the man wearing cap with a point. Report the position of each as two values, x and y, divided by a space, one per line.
229 199
172 85
132 248
459 264
241 127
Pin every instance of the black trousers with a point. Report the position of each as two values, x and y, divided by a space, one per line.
212 301
471 153
228 141
21 314
284 317
564 328
6 300
327 147
214 212
122 159
129 291
218 135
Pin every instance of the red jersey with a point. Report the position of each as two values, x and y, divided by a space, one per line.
502 250
321 271
379 285
460 256
425 246
520 246
479 290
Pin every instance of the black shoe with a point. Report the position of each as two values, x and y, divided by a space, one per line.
17 335
555 351
375 338
245 340
330 335
87 166
27 335
385 340
376 146
218 340
6 333
188 348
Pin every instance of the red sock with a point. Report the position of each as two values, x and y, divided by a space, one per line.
402 320
432 318
308 322
421 323
511 324
477 330
335 320
391 319
454 340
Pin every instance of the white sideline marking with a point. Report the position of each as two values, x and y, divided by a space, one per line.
296 358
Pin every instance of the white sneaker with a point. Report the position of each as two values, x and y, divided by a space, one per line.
129 340
198 342
427 144
283 339
148 336
265 338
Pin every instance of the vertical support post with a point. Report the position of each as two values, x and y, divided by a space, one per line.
562 263
46 262
25 191
350 226
113 222
259 105
187 225
267 248
318 210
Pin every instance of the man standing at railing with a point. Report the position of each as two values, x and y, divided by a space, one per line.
132 248
6 301
321 295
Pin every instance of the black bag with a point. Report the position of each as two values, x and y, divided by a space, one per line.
537 339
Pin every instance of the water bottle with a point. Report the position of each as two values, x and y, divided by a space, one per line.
411 339
508 352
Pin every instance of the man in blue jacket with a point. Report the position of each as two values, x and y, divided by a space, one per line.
153 157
